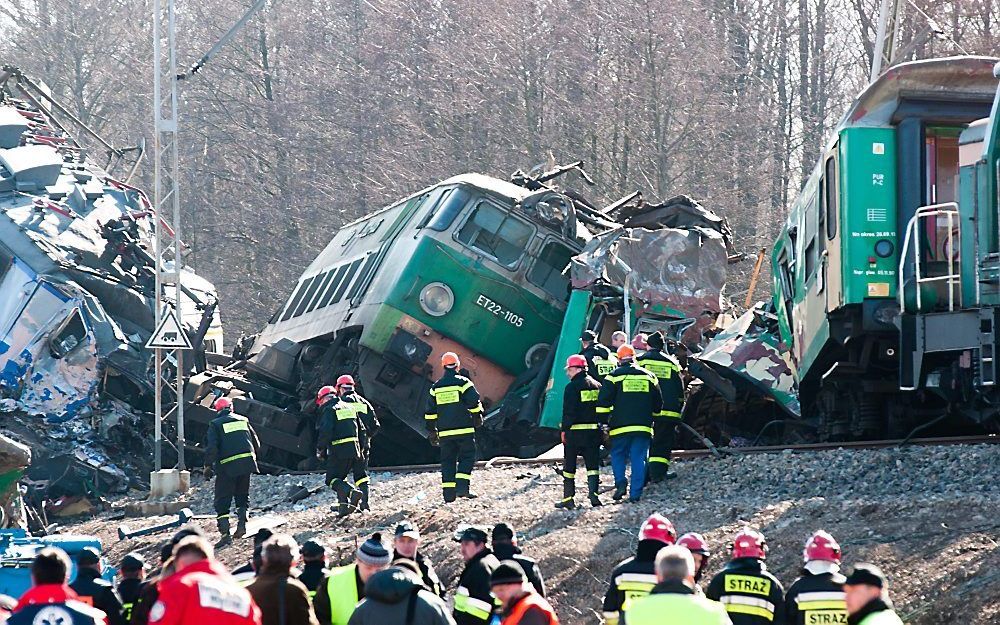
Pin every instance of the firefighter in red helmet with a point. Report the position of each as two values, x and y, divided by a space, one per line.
818 595
368 427
231 447
581 431
750 594
636 576
698 546
337 443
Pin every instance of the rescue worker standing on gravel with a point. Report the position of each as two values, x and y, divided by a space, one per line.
368 427
453 414
581 432
337 442
636 576
600 360
818 595
473 602
231 446
668 376
675 599
750 594
629 397
867 596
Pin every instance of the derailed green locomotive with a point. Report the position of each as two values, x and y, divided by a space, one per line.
887 271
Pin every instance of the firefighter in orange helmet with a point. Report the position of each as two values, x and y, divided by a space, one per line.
453 414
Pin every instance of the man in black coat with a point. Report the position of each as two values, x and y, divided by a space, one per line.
505 548
93 589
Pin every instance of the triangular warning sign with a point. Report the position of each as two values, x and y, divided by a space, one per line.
169 335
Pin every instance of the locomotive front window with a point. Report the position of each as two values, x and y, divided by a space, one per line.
495 233
547 272
446 208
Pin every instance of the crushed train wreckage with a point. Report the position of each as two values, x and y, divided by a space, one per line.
77 296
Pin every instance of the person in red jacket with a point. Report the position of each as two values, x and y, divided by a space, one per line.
50 599
201 591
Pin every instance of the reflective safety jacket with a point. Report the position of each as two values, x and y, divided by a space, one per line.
474 604
875 612
231 444
128 590
816 600
338 595
668 375
632 578
452 403
368 425
203 592
530 609
600 360
337 432
673 603
750 594
630 396
580 403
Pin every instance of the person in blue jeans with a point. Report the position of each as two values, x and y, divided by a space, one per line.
629 398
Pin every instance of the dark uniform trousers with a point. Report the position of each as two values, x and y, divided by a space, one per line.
231 445
342 460
668 418
586 443
368 426
458 455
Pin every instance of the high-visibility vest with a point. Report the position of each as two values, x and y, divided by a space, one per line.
527 601
342 589
675 609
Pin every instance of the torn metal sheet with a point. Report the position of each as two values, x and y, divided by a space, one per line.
77 296
749 352
680 211
678 272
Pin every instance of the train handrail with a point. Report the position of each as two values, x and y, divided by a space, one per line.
949 210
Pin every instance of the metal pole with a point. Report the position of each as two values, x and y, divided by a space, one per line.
176 200
158 235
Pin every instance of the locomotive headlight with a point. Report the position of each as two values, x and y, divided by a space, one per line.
884 248
437 299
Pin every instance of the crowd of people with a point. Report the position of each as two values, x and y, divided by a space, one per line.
396 584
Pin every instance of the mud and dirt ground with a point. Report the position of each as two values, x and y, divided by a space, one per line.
929 516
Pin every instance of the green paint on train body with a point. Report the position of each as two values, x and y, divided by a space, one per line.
493 315
826 257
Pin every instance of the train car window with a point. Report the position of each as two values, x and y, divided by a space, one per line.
334 285
496 233
309 293
352 270
547 272
448 208
832 197
319 292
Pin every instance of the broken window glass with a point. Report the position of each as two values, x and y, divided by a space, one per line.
547 272
69 336
496 233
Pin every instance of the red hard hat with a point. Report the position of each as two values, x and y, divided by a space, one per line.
658 527
344 380
695 543
821 546
576 360
449 359
749 544
323 392
222 403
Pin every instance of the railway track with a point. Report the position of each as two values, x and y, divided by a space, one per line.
721 451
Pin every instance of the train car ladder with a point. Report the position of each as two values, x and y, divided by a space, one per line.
913 233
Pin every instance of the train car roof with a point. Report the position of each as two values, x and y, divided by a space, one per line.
953 78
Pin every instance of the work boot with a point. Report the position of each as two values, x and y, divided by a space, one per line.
355 498
363 487
469 495
620 490
449 495
566 504
594 486
241 523
569 491
225 538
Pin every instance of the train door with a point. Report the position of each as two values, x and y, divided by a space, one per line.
830 231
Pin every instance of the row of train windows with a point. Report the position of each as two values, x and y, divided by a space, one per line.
330 287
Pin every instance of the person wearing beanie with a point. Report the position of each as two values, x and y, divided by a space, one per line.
337 596
866 593
600 360
397 595
629 399
282 599
133 573
668 376
94 589
473 602
520 604
313 565
505 547
406 545
245 574
453 414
